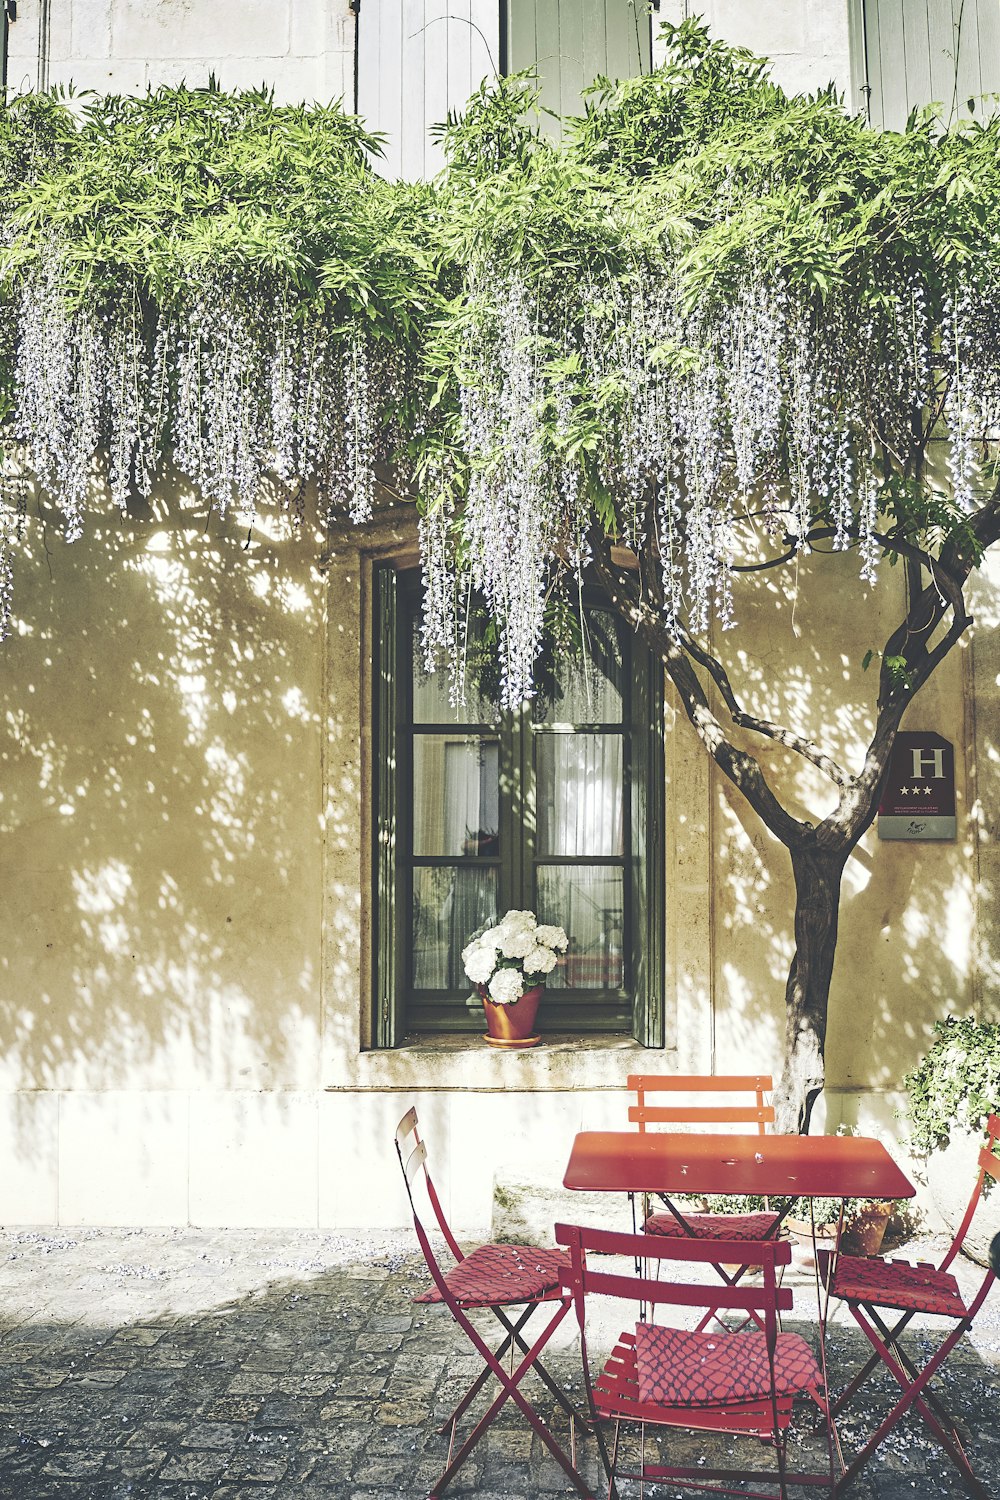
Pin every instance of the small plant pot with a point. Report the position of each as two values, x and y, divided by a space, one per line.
513 1025
865 1235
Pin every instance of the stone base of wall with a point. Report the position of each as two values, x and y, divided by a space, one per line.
309 1159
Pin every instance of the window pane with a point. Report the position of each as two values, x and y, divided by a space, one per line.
456 791
588 904
449 904
431 696
579 794
587 689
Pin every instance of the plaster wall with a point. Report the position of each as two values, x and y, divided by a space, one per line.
807 41
303 49
184 785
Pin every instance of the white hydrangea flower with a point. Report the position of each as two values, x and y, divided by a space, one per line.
539 961
506 986
517 943
518 919
479 961
552 937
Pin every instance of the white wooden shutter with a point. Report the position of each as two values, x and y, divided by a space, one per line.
930 52
418 59
572 42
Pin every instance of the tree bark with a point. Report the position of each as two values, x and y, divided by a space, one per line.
818 873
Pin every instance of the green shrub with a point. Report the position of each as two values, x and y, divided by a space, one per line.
957 1083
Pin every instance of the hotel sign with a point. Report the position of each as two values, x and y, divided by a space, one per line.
919 797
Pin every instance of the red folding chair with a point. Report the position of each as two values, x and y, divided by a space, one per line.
750 1227
730 1382
493 1277
875 1285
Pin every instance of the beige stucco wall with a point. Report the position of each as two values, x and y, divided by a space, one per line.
183 785
183 889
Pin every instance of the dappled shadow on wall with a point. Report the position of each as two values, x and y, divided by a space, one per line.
904 952
160 842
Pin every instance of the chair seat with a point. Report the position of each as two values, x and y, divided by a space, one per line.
759 1226
676 1367
897 1284
494 1275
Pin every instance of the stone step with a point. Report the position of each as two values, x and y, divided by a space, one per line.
526 1207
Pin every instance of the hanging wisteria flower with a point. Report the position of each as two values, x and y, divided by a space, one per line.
514 956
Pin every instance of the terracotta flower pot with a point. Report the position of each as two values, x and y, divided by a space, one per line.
512 1025
864 1237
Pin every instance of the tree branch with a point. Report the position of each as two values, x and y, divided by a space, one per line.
743 720
739 766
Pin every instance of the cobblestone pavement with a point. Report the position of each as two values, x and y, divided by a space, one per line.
292 1365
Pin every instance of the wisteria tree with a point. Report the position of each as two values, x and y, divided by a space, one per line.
711 310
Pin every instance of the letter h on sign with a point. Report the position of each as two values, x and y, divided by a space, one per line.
936 758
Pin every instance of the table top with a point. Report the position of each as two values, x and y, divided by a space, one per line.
776 1166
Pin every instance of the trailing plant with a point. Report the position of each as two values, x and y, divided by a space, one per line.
956 1084
712 330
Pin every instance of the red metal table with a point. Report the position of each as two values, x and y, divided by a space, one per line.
774 1166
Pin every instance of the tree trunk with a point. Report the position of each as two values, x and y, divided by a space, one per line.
818 874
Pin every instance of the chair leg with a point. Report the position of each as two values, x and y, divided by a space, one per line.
612 1464
913 1395
863 1375
509 1391
891 1336
539 1369
499 1353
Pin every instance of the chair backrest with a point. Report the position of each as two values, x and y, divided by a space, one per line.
989 1166
634 1284
412 1155
751 1109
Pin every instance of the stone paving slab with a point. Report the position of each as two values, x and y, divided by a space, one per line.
270 1365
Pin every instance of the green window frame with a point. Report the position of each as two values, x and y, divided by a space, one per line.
512 860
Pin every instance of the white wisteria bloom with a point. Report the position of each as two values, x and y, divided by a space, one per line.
506 986
539 960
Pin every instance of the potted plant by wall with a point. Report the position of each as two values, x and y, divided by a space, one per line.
864 1227
949 1095
509 964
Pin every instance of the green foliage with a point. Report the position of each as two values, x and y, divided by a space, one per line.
701 178
956 1083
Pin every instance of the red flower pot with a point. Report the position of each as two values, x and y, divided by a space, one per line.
512 1025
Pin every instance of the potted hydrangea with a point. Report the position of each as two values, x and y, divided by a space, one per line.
509 964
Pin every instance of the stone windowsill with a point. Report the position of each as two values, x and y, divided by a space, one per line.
466 1062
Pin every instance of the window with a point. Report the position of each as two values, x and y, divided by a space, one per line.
557 808
908 53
